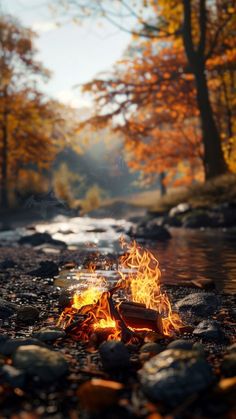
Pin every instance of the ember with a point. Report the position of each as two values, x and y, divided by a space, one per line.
143 307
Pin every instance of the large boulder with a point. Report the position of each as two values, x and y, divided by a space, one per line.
149 231
174 375
41 362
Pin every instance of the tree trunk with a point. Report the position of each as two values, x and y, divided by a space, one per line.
162 184
214 162
4 194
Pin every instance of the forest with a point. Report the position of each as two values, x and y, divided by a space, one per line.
117 209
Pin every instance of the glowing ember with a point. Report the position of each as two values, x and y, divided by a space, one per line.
140 283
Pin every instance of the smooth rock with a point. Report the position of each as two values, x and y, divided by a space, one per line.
11 345
148 350
38 239
150 231
181 208
180 344
198 304
47 269
209 330
197 219
13 376
7 264
228 365
49 335
114 355
173 375
7 309
232 348
41 362
27 315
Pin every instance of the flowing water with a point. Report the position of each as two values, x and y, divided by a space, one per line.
189 255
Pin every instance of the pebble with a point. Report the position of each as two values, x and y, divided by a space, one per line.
114 355
9 346
198 304
41 362
27 315
209 330
47 269
180 344
175 374
13 376
49 335
228 365
7 309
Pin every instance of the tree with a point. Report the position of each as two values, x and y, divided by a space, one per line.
201 26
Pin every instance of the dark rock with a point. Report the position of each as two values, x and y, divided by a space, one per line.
180 344
174 375
232 348
149 231
47 269
49 335
204 283
11 345
27 315
7 264
148 350
198 347
13 376
197 219
181 208
65 298
114 355
228 365
38 239
209 330
7 309
41 362
172 221
198 304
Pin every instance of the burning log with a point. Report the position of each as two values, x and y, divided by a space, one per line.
137 316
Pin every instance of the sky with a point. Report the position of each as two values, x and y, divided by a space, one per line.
74 53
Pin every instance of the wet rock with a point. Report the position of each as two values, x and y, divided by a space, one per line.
47 269
148 350
7 264
7 309
65 298
232 348
209 330
173 375
13 376
172 221
49 335
41 362
114 355
198 304
228 365
38 239
181 208
198 347
11 345
197 219
180 344
27 315
204 283
149 231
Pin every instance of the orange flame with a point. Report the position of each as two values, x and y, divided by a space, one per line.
140 282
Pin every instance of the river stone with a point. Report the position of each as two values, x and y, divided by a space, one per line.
148 350
228 365
7 309
27 315
7 264
197 219
114 355
47 269
209 330
232 348
198 304
38 239
13 376
173 375
11 345
49 335
181 208
41 362
150 231
180 344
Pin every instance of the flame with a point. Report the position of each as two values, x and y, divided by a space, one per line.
140 282
144 284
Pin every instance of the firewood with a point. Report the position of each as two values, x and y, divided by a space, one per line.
137 316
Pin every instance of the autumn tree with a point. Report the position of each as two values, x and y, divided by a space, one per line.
203 29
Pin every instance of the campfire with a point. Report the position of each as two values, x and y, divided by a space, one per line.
127 311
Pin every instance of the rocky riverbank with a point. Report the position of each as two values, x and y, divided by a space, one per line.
45 373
